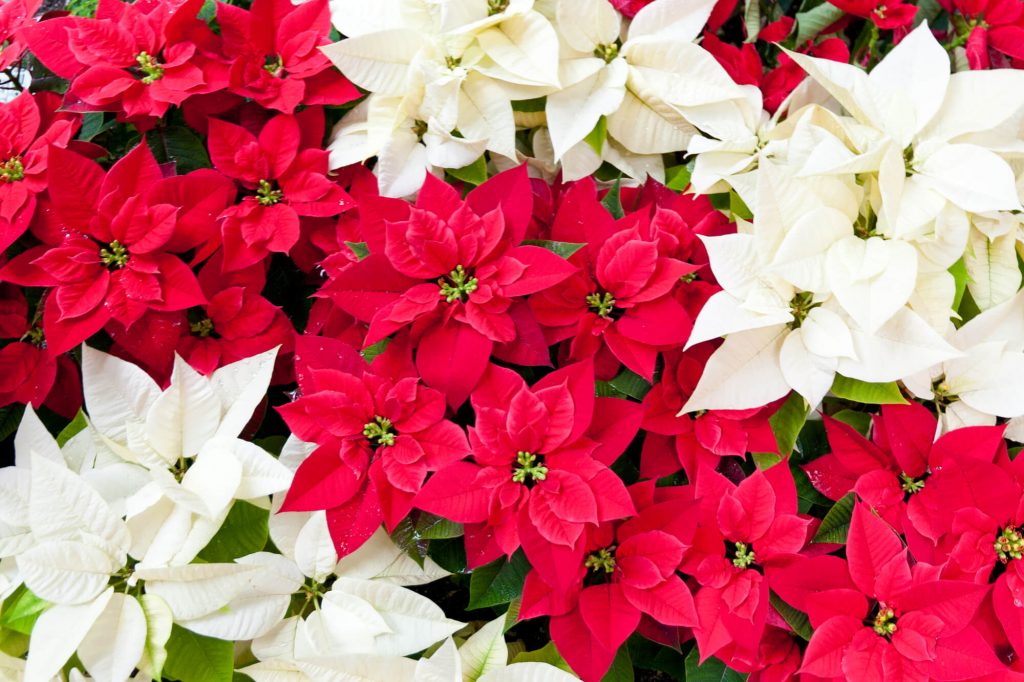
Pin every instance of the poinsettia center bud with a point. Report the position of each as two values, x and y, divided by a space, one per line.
744 556
800 306
274 65
267 195
419 128
12 170
601 560
203 327
452 62
942 393
607 52
528 468
910 484
379 432
35 337
688 277
114 255
885 621
1009 544
151 69
496 7
457 285
602 304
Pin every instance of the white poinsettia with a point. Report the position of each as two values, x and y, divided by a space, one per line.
483 658
983 383
186 440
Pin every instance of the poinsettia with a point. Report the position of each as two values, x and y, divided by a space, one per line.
619 572
989 25
885 14
379 434
539 465
286 175
15 16
273 50
745 531
29 125
112 262
621 297
136 58
453 271
877 617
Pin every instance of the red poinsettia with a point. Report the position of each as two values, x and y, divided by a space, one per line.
455 272
273 49
877 617
541 460
990 25
378 436
621 295
137 58
745 531
14 16
885 14
623 571
29 125
112 262
286 174
697 439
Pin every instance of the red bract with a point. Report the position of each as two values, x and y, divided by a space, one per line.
378 437
745 531
878 618
28 127
619 573
137 58
454 271
112 262
287 179
536 464
14 16
887 14
621 295
991 25
698 439
273 49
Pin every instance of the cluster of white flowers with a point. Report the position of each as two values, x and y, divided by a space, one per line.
876 202
102 543
451 79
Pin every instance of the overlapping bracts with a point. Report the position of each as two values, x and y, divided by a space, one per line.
512 340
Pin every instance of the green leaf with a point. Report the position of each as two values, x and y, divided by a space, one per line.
512 615
752 19
21 609
787 422
359 248
431 527
738 208
474 174
449 554
604 389
765 460
631 384
858 420
244 531
546 654
797 620
648 655
613 201
809 24
10 417
622 667
498 582
867 393
195 658
93 124
596 137
713 670
563 249
677 178
960 278
371 352
13 643
836 524
77 425
409 541
530 105
807 494
183 147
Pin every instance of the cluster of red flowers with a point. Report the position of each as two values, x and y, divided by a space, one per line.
507 357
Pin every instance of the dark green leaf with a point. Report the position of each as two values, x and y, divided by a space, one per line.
244 531
867 393
631 383
431 527
797 620
858 420
195 658
71 430
612 200
563 249
21 609
836 524
787 422
498 582
359 248
474 174
596 137
409 541
10 417
806 493
448 554
93 124
765 460
604 389
529 105
648 655
622 667
812 22
371 352
546 654
183 147
712 670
